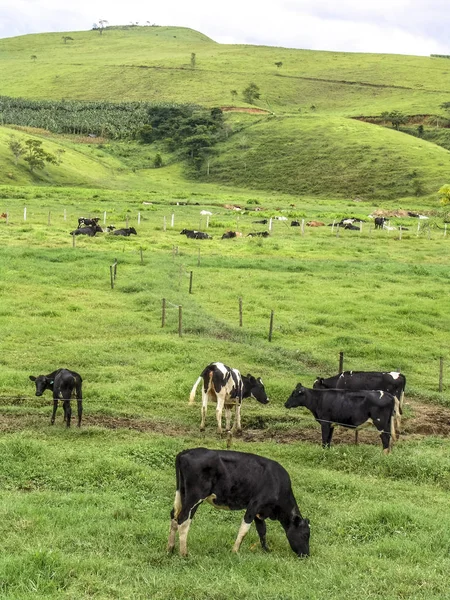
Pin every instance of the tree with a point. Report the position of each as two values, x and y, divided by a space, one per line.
158 161
103 23
251 93
444 194
67 38
395 117
36 156
193 59
279 64
16 147
420 131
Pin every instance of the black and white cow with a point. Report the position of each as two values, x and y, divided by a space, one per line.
125 231
231 234
64 384
262 221
90 230
392 382
236 481
258 234
379 222
85 221
227 387
349 409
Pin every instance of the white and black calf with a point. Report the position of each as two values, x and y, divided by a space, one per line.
227 387
236 481
125 231
64 384
85 221
379 222
349 409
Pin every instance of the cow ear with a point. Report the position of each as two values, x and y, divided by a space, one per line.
33 378
297 520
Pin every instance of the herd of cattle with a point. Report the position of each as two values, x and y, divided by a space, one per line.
89 227
245 481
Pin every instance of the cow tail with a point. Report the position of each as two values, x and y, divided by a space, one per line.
394 419
194 389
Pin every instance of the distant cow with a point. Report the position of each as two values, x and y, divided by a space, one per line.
227 387
64 384
392 382
91 230
349 409
3 216
315 224
236 481
295 223
258 233
125 232
231 234
352 227
86 221
379 222
262 221
198 235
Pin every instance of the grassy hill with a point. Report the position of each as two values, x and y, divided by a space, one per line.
317 151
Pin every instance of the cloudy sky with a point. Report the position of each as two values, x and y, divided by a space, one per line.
418 27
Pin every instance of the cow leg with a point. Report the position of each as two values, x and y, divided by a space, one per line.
67 411
219 410
327 434
227 417
204 408
80 411
243 530
184 522
261 529
55 406
356 437
237 422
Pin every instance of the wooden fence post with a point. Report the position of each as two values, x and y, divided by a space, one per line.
271 326
180 320
441 372
303 227
104 217
240 312
172 221
191 275
115 268
139 218
164 223
49 218
111 274
163 316
270 224
341 361
207 222
445 229
25 213
332 227
65 215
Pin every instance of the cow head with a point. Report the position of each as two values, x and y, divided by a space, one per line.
319 384
132 230
297 398
297 533
42 383
255 388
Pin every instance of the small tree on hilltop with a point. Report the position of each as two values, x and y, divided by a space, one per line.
395 117
158 161
251 93
16 147
193 60
279 64
67 38
36 156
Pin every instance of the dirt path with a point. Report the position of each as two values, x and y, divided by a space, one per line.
420 420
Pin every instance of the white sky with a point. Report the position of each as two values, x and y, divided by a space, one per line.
418 27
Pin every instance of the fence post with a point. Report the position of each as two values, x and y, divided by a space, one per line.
303 227
115 268
198 258
139 218
163 316
65 215
441 372
400 233
111 273
104 217
207 222
271 326
240 312
180 320
360 227
164 223
49 218
172 220
332 227
270 224
191 275
25 213
341 361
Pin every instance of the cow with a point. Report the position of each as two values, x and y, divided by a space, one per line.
236 481
125 231
379 222
315 224
85 221
262 221
295 223
4 215
227 387
392 382
258 233
186 231
349 409
352 227
109 228
198 235
90 230
64 384
231 234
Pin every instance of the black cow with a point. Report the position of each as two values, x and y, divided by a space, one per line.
198 235
90 230
259 233
64 384
186 231
227 387
392 382
352 227
237 481
125 232
262 221
85 221
349 409
379 222
295 223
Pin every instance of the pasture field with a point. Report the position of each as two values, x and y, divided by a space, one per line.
85 513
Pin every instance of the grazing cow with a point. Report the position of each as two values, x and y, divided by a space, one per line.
125 231
349 409
295 223
227 387
262 221
379 222
85 221
258 233
236 481
392 382
231 234
64 384
90 230
315 224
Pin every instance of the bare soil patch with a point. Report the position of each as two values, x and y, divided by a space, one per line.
245 109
